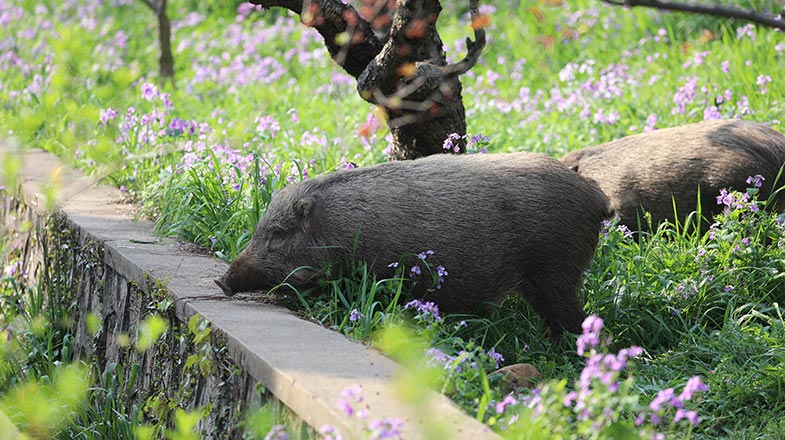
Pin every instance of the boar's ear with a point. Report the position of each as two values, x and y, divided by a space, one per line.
303 211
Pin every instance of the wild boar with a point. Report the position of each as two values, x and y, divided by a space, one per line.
500 223
655 169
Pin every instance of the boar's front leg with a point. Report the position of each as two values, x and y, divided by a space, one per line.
554 297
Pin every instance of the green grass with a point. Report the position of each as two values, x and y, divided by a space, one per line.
545 83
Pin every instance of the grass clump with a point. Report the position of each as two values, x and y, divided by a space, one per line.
258 105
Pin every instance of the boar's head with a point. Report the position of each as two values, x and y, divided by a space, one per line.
283 248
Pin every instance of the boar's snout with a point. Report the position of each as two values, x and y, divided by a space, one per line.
224 286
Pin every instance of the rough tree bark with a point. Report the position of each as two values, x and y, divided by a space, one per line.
761 18
399 64
166 59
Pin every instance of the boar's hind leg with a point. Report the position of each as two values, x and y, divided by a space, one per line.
555 299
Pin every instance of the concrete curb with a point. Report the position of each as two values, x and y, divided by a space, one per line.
304 365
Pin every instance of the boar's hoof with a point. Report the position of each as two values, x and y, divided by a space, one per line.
227 290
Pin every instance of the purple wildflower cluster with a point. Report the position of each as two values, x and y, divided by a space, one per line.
353 405
686 290
465 360
608 226
426 311
477 143
601 395
734 200
602 369
452 143
215 66
138 130
416 269
667 399
740 219
497 357
236 164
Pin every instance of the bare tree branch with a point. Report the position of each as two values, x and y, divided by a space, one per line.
474 48
764 19
348 37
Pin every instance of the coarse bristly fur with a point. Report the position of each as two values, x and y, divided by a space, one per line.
498 223
652 170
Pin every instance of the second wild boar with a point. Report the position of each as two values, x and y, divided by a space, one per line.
655 169
500 223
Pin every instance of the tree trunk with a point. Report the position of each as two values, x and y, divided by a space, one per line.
166 59
404 71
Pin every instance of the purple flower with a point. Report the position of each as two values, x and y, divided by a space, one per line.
692 416
497 357
330 432
762 81
267 124
590 338
424 308
351 394
693 385
166 100
177 126
385 428
569 398
450 143
149 91
725 198
394 264
106 115
664 397
424 255
712 112
415 270
478 140
624 230
438 358
245 9
507 401
606 227
355 315
748 30
293 115
345 406
651 122
441 272
756 180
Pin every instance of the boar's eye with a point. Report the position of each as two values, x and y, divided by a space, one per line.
276 237
277 233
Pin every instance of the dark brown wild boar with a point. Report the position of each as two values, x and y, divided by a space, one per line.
652 170
499 223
